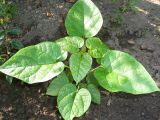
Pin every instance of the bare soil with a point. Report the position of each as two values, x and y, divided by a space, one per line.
139 35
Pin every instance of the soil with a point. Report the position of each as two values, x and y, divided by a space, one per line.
139 35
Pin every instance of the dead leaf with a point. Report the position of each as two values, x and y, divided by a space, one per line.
50 14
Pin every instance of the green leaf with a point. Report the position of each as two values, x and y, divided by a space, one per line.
70 44
2 35
84 19
124 73
95 93
64 56
33 64
16 44
2 60
57 83
9 79
91 79
73 103
96 47
15 31
69 75
98 60
80 64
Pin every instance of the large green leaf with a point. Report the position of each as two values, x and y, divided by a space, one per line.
73 103
57 83
95 93
122 72
80 64
96 47
70 44
84 19
35 64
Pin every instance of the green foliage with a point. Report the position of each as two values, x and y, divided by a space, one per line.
129 5
2 36
15 31
76 81
7 45
90 79
16 44
84 19
72 102
7 11
126 5
9 79
121 72
80 64
117 17
95 94
122 6
57 84
96 48
34 64
70 44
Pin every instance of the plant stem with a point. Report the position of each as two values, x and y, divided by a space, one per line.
67 66
83 49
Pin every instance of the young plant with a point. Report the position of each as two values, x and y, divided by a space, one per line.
7 11
77 81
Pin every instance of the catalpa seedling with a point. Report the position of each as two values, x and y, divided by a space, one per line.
77 82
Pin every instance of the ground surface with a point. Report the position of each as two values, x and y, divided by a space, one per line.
139 36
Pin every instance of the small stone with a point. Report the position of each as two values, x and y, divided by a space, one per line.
153 95
135 100
131 42
150 49
142 113
143 47
109 102
39 90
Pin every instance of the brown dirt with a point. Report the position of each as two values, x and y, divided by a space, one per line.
139 35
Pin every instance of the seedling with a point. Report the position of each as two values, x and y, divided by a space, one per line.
77 81
126 5
7 11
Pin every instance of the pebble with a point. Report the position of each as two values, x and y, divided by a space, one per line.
142 113
153 95
145 47
131 42
135 100
150 49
